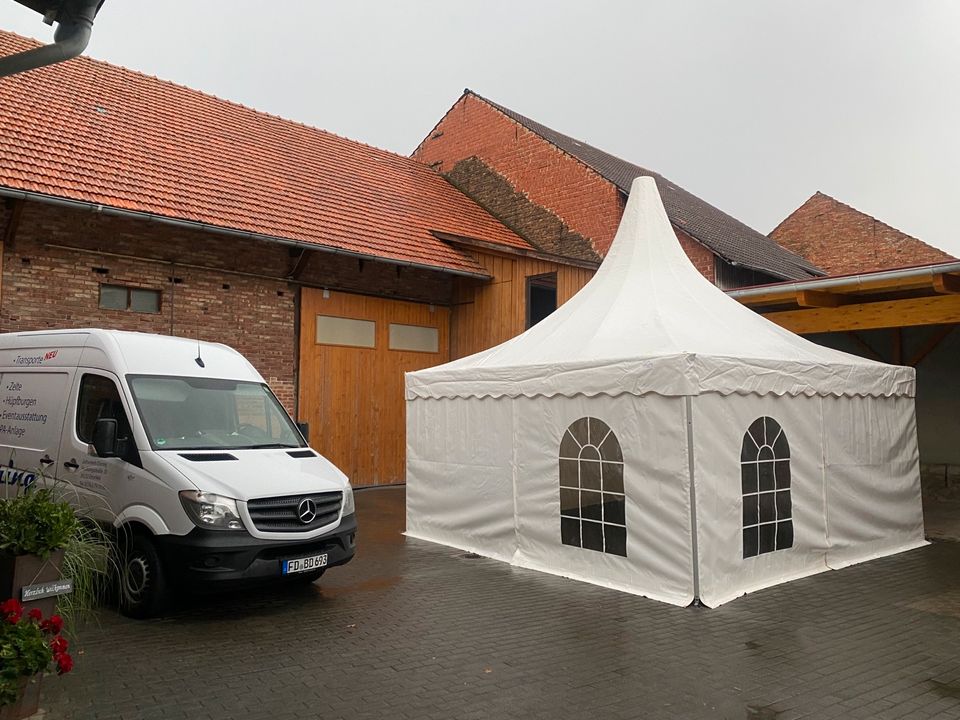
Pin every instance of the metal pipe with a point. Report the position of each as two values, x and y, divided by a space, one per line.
847 281
206 227
74 25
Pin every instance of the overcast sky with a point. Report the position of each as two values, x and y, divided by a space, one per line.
751 104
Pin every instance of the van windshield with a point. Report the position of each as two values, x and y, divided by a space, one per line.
185 413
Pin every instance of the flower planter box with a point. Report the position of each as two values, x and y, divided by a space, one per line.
16 571
27 702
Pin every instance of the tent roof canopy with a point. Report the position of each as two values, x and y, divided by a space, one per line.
648 321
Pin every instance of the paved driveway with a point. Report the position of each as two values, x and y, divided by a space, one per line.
415 630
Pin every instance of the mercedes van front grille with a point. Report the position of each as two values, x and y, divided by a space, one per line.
295 513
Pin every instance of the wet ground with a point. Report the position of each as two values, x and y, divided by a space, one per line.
416 630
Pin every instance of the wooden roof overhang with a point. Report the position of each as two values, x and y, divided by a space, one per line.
905 297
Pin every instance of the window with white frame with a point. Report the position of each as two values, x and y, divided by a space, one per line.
765 485
592 499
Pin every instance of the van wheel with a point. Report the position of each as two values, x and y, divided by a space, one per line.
143 586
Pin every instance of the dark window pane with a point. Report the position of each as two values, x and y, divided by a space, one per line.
569 447
569 473
765 474
113 297
570 531
615 540
749 449
592 535
783 504
570 502
614 509
612 477
751 510
781 447
591 505
610 449
598 431
99 399
783 473
751 541
768 509
588 452
771 429
748 477
147 301
757 432
590 474
580 431
768 538
541 300
784 534
766 453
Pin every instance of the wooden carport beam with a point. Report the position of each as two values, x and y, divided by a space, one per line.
946 284
938 310
818 298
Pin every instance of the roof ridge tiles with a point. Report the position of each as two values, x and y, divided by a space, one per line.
777 260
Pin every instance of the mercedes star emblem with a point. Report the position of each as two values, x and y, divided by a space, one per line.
307 511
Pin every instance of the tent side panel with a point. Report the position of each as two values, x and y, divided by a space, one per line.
460 474
873 478
759 490
603 492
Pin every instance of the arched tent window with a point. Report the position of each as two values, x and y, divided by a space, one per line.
592 501
765 481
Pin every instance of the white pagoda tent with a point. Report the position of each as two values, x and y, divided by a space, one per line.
655 436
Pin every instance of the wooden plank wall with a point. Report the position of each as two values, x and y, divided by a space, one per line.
487 314
353 397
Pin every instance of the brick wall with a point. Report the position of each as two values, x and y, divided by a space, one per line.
532 222
586 204
225 289
843 240
701 257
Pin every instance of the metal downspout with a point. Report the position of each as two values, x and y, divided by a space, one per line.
74 25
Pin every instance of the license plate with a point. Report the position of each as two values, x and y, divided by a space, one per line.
304 564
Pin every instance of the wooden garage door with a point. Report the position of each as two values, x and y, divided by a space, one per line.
354 350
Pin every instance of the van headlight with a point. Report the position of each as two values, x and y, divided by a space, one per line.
348 505
211 511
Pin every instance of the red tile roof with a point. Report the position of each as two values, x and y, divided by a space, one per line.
94 132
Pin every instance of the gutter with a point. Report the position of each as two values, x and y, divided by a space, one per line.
74 25
846 281
220 230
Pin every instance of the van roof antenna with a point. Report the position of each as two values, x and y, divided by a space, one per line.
198 360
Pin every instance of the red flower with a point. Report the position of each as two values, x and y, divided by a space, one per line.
12 610
58 645
53 626
64 663
35 614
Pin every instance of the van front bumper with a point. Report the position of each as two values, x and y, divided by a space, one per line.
205 559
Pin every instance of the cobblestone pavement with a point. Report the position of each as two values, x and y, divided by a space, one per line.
415 630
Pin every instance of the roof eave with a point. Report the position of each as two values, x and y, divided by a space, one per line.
17 194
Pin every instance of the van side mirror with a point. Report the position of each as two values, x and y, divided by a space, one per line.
105 437
304 429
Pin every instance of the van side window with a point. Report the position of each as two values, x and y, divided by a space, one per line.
99 399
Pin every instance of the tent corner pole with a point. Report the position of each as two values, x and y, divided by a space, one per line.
694 547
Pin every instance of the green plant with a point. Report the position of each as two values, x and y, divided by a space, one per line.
34 522
28 645
89 559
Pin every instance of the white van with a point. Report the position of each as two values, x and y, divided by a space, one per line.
180 446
